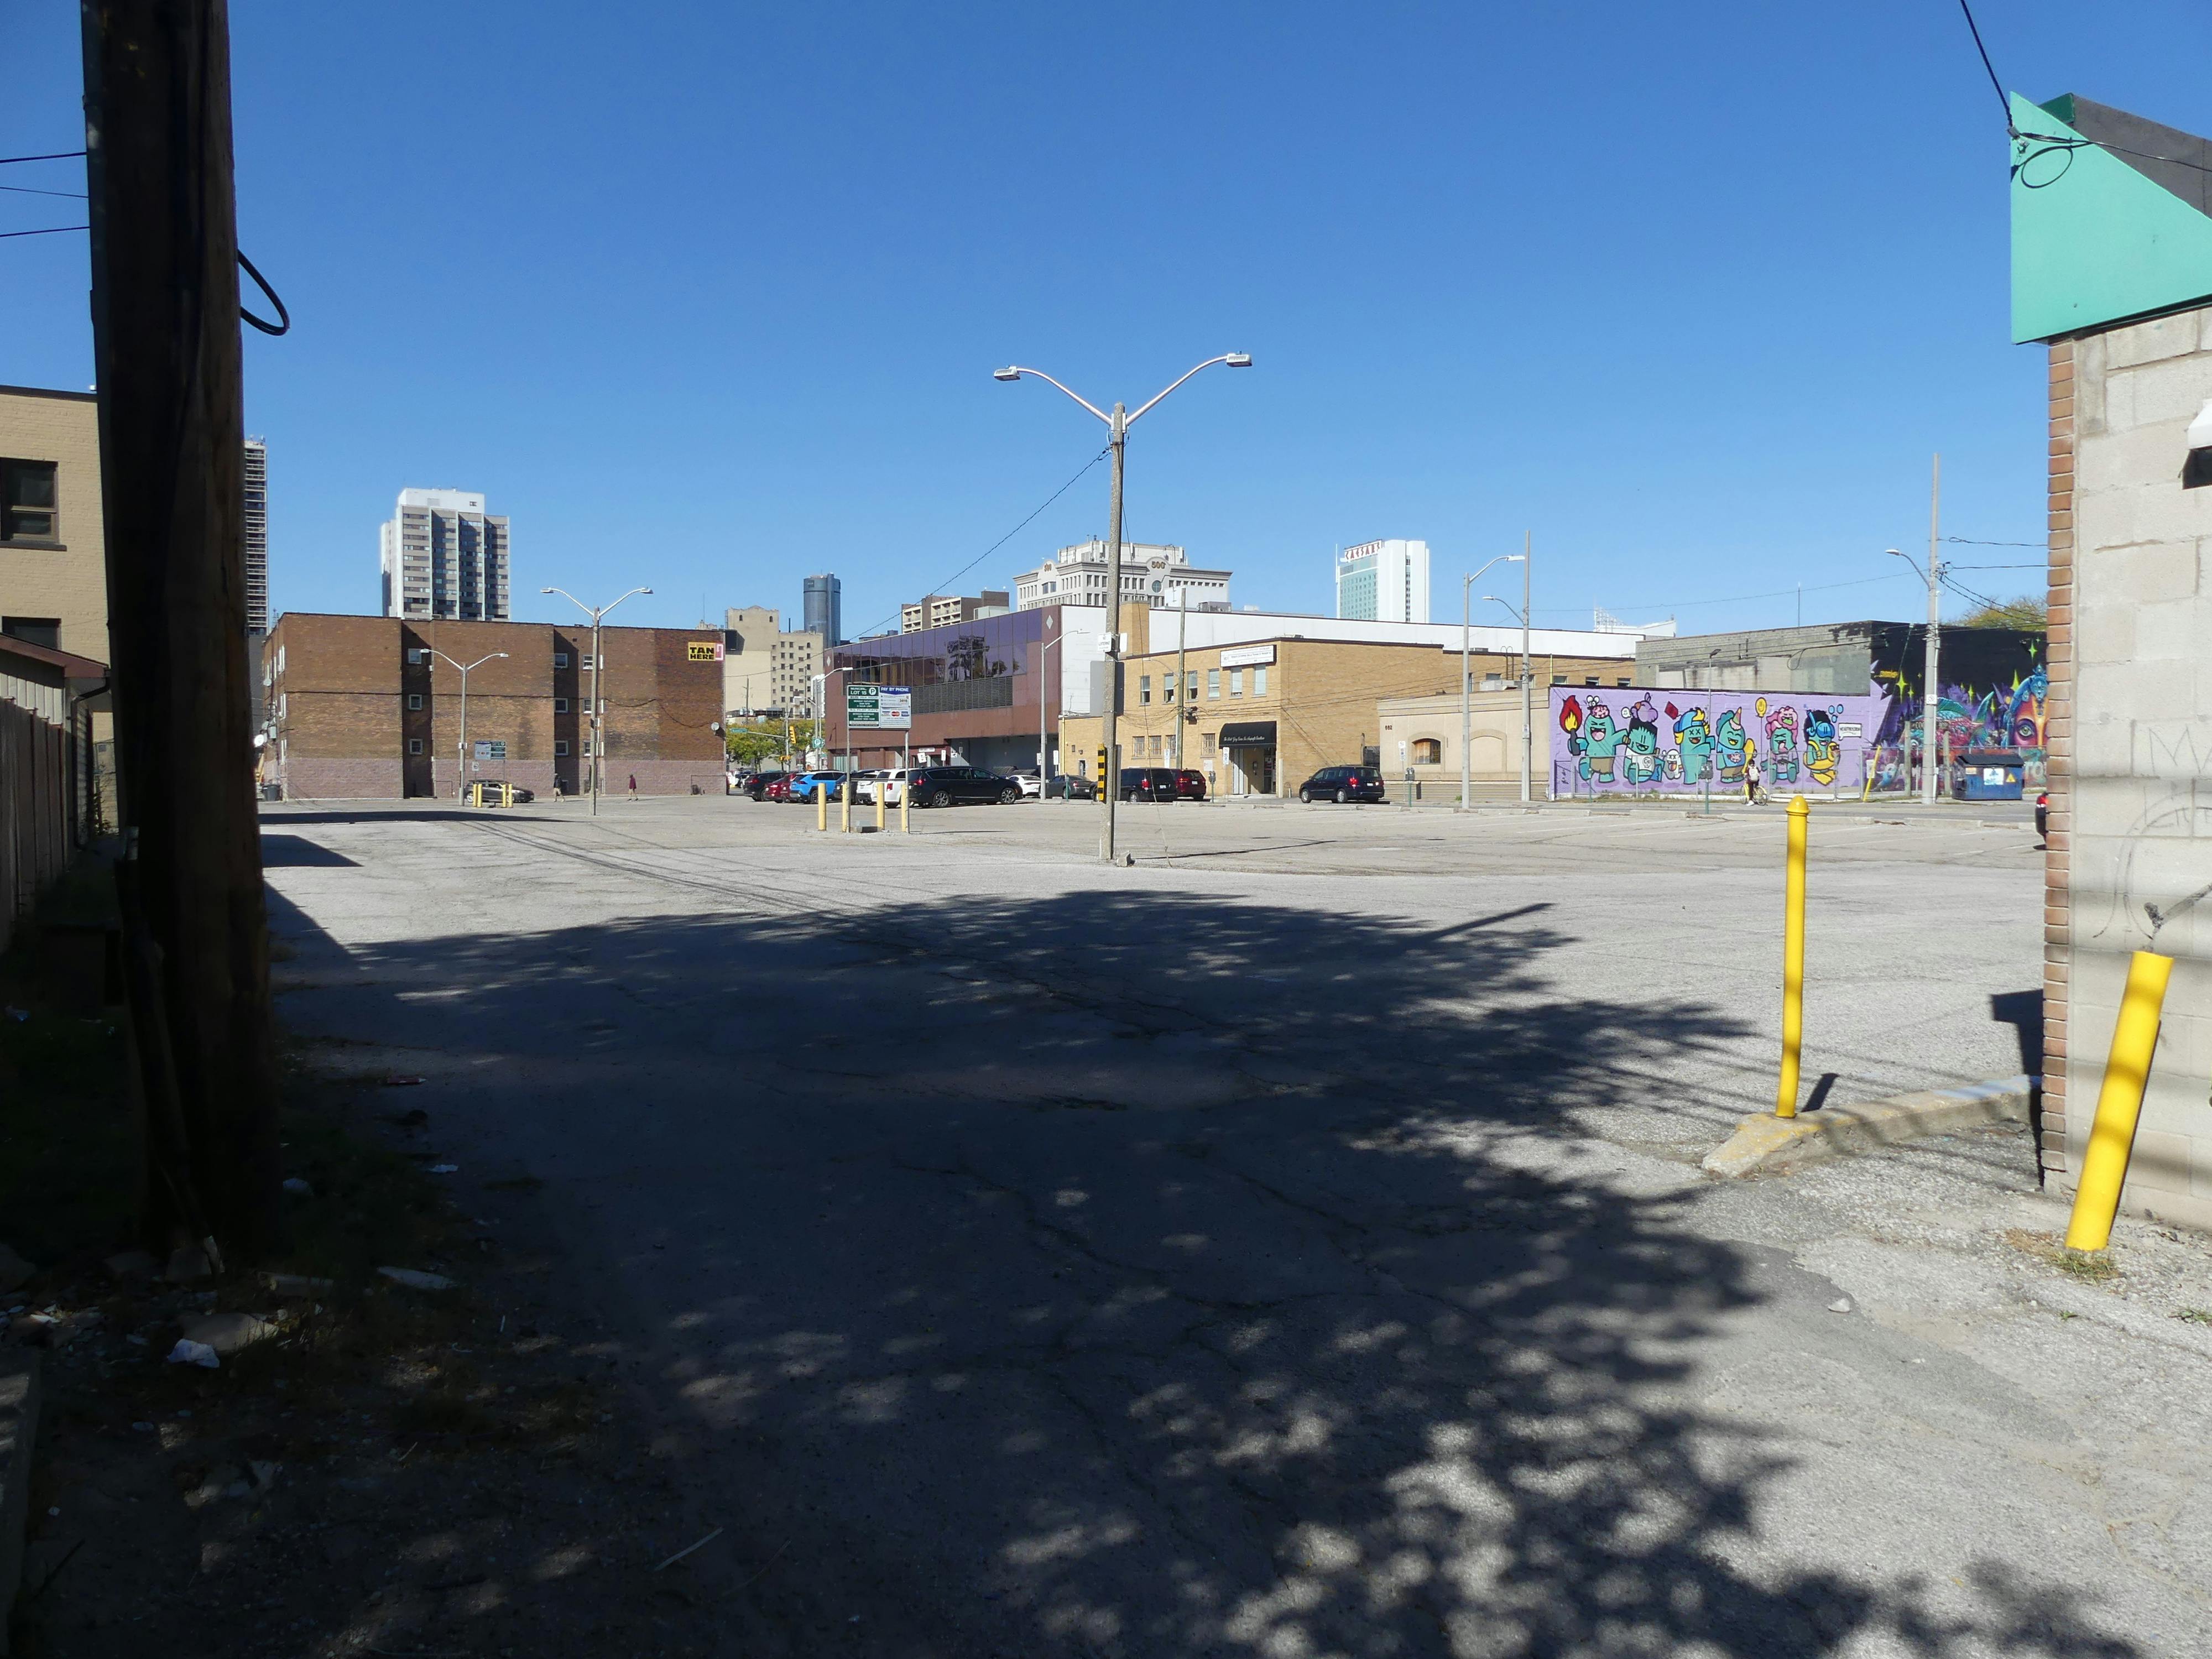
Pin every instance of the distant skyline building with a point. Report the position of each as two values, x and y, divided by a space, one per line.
767 668
823 609
1159 572
940 609
1383 581
256 535
445 558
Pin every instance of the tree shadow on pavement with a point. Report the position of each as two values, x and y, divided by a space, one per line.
1148 1275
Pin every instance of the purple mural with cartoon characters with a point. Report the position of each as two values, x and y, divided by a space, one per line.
1635 739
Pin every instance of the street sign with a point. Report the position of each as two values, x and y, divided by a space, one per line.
491 749
879 708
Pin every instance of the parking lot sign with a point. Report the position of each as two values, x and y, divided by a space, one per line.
879 706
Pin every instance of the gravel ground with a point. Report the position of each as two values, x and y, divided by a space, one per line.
1293 1243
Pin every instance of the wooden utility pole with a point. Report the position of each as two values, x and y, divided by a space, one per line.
165 314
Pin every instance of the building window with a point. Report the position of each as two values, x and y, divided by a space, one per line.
559 659
33 631
1621 681
1167 688
1259 681
1428 752
1143 688
27 503
560 705
414 745
560 748
1236 681
416 659
1206 745
1559 679
414 699
1213 685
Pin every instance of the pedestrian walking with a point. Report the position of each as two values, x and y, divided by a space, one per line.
633 786
1754 791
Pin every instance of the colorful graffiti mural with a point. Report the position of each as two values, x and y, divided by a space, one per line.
1683 742
1965 718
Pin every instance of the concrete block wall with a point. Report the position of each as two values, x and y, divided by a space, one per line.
2129 723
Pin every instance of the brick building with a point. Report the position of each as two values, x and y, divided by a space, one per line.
368 707
2112 275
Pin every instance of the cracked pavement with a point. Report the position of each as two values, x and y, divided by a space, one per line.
1293 1245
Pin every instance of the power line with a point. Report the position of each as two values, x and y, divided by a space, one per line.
50 230
1010 535
58 156
1968 541
25 190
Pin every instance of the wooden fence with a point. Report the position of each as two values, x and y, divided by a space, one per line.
35 785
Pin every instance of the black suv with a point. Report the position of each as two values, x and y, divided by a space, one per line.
755 786
1344 783
1149 783
951 786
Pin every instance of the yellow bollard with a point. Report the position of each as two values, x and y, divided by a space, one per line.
2119 1103
1792 961
882 784
821 807
906 807
845 805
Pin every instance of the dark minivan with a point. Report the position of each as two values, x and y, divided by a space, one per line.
1344 783
1149 783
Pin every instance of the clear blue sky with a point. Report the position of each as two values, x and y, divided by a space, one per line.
707 296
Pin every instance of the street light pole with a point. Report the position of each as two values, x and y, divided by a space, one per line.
1182 667
1931 691
1467 674
597 738
1117 433
1528 721
1044 753
461 793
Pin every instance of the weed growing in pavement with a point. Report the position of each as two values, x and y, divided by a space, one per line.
2091 1267
2195 1316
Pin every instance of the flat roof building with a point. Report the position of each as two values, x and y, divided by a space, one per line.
1383 581
444 558
1158 573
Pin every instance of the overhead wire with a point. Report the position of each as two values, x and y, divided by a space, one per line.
1009 536
26 190
48 230
56 155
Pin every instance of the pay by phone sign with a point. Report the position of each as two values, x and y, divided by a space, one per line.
879 706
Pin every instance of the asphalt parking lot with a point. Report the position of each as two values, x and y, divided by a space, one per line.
1293 1243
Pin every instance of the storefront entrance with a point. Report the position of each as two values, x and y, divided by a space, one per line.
1248 748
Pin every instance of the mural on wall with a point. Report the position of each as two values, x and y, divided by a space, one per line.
2009 717
1685 742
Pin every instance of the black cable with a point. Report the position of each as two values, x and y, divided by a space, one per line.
50 230
284 324
1004 539
1995 85
25 190
59 155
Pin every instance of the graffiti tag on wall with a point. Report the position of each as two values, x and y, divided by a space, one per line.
2009 717
1684 741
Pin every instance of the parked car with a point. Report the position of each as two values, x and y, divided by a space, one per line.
758 784
778 788
865 785
1344 783
953 786
831 785
1032 785
1189 785
1149 783
1067 786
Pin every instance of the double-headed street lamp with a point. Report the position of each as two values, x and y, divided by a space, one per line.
1117 429
1467 679
597 738
462 792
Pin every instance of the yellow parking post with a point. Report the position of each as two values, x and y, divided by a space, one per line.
845 803
906 805
2119 1103
882 784
1792 961
821 806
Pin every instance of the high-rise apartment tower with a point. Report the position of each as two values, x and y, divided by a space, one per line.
823 612
444 557
256 537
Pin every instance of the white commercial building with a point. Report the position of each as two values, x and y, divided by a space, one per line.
444 557
1383 581
1153 572
1245 627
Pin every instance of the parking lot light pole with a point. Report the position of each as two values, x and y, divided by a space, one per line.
462 792
1044 764
1117 430
597 738
1528 732
1467 678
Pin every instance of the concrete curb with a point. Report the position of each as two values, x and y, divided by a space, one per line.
1765 1140
19 1429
